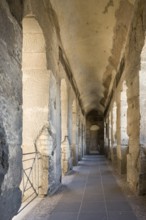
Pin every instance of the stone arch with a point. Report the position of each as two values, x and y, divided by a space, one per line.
35 82
35 108
94 118
65 146
94 128
94 146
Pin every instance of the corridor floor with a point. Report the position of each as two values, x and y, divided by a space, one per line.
92 194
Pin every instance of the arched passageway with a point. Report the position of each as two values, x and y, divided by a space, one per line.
94 133
94 146
38 137
76 89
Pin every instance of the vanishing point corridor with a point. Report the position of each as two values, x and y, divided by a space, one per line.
93 194
73 109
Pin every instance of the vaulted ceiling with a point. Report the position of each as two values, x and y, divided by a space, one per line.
93 34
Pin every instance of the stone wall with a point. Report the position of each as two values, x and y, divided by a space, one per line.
132 68
10 113
129 150
55 121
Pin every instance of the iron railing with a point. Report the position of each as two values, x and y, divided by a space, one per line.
30 183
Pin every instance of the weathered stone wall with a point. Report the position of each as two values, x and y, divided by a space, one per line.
71 120
135 175
16 8
74 133
142 102
131 54
70 125
55 120
10 113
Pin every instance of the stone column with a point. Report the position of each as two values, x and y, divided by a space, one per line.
114 136
74 134
65 145
141 159
84 138
110 136
79 136
123 131
106 137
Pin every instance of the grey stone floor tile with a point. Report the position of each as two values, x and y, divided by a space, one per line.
63 216
107 181
121 216
71 198
118 206
114 197
96 189
112 190
67 207
78 183
93 197
112 187
93 190
94 182
93 177
105 172
95 216
92 207
71 191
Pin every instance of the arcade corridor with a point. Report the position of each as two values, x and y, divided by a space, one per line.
73 83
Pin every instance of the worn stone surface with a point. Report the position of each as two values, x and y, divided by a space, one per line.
10 113
16 8
131 160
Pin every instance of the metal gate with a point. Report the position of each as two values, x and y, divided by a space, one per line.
30 180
